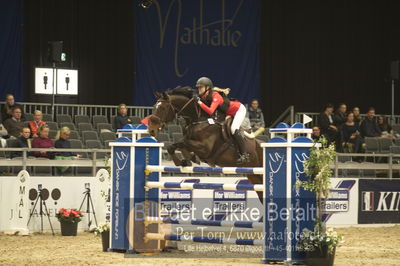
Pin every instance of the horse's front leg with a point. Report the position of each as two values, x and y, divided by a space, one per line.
185 153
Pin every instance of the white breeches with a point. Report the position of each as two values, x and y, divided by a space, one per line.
238 118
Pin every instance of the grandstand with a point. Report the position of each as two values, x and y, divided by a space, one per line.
92 130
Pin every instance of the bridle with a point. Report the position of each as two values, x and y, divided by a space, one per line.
178 111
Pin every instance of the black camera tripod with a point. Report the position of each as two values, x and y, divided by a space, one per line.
42 203
89 204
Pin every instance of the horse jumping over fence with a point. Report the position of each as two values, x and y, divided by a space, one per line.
206 139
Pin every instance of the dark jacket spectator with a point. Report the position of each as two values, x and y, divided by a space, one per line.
351 135
316 133
14 124
369 127
340 116
62 142
43 141
327 126
255 115
357 116
6 110
122 118
384 125
22 141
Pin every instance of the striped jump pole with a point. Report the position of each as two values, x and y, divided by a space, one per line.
200 239
208 170
192 186
136 168
217 223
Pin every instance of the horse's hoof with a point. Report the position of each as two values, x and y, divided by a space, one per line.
195 159
185 163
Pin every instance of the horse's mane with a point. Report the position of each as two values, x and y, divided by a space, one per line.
186 91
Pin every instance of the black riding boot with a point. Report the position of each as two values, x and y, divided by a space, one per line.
243 155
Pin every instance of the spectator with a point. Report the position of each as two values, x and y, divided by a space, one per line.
340 116
6 111
384 125
43 141
22 141
122 118
369 127
256 117
14 124
327 126
36 122
357 116
352 141
316 133
62 142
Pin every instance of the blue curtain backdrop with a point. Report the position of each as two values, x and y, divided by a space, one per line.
178 41
11 48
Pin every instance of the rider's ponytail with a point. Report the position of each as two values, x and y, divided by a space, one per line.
225 91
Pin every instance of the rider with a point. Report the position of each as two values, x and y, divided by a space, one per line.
214 100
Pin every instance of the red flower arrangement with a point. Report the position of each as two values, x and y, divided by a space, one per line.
69 215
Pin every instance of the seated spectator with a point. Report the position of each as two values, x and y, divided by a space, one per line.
384 126
369 127
316 133
14 124
6 111
256 117
36 123
327 126
63 142
352 140
340 116
122 118
43 141
357 116
22 141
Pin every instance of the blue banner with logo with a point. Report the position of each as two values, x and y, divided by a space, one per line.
178 41
11 49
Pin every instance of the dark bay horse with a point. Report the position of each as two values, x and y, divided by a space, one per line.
202 139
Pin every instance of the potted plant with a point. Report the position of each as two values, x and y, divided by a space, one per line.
319 244
104 230
69 219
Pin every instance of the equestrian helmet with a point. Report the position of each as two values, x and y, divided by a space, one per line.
204 81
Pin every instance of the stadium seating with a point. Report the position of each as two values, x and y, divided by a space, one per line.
85 127
52 125
70 125
63 119
97 119
47 118
81 119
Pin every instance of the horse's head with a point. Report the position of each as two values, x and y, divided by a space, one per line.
163 113
174 102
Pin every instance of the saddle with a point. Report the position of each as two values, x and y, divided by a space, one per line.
227 133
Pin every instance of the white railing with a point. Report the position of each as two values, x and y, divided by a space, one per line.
314 116
388 169
84 109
